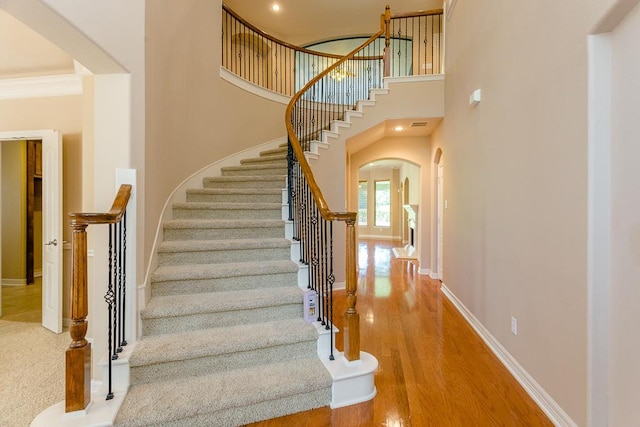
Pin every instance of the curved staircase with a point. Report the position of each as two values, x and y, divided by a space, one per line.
224 342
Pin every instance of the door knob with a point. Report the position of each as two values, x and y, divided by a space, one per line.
53 242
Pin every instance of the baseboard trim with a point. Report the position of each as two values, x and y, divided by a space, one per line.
425 272
339 286
549 406
14 282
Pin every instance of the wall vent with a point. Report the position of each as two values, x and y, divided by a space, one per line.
418 124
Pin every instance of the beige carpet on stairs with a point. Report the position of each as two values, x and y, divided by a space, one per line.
224 342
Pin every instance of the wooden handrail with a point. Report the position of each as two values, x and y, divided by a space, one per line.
114 215
351 327
323 207
78 355
419 13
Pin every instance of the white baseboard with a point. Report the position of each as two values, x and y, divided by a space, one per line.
14 282
425 272
339 285
378 237
37 273
549 406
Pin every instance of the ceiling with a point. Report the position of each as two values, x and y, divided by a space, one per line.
304 22
25 53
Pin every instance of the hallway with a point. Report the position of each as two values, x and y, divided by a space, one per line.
434 370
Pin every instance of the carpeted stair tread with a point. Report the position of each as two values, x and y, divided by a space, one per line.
281 150
221 245
174 402
190 304
226 206
244 178
234 191
184 224
219 341
213 271
256 169
272 159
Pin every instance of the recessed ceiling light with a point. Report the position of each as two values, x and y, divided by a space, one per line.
399 128
275 7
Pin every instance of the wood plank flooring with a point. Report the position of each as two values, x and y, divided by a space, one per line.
22 303
434 370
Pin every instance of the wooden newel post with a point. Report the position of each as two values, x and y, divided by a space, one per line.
351 316
387 41
78 355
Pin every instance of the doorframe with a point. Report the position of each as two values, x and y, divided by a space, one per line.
437 213
49 138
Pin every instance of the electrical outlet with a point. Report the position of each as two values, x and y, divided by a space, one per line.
514 325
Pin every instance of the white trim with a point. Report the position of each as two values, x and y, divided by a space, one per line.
38 87
549 406
599 227
450 5
411 79
253 88
37 273
339 286
378 237
14 282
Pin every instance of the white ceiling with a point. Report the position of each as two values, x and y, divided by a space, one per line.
25 53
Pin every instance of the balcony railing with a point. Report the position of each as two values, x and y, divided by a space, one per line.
414 42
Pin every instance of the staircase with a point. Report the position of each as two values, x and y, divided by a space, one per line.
224 342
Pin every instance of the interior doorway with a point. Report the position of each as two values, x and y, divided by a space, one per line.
43 229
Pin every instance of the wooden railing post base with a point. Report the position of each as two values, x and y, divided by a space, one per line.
78 378
352 336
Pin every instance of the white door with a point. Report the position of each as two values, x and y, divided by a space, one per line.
52 231
52 223
440 218
0 231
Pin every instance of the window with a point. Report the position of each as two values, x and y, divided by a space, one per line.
362 203
383 204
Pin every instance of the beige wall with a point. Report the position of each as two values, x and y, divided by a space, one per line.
63 114
516 167
14 211
193 116
625 223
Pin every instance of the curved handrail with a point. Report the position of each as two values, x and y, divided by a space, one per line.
323 207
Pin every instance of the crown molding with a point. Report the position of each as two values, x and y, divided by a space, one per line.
38 87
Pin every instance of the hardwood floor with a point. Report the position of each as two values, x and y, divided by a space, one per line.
22 303
434 370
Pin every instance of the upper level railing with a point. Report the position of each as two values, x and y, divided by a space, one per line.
413 42
323 88
78 355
